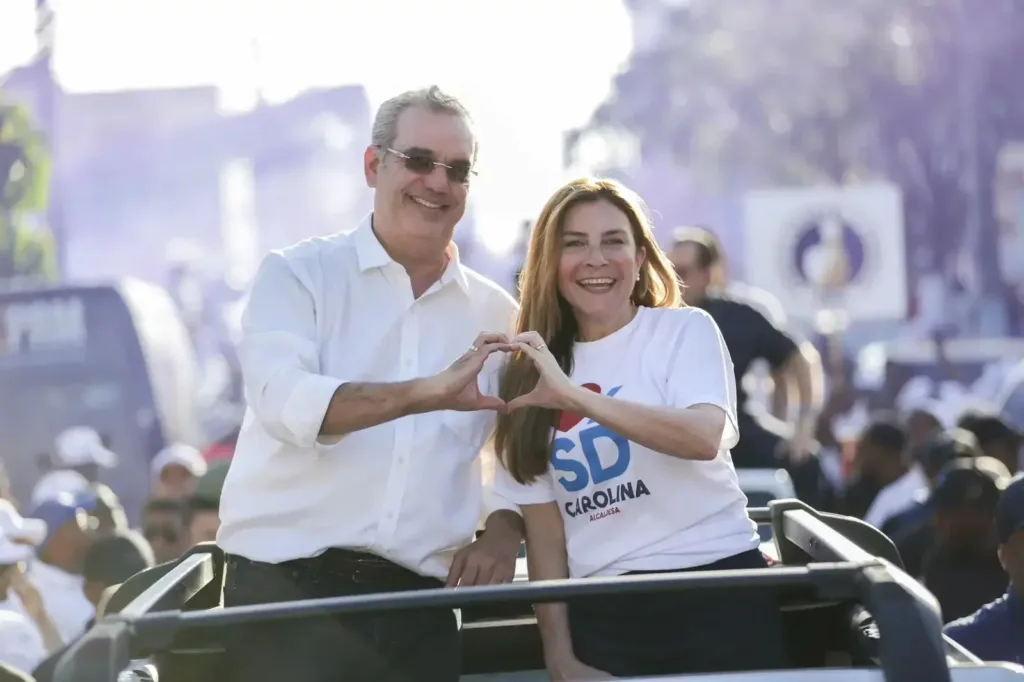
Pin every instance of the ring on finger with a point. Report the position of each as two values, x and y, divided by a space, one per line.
541 346
473 349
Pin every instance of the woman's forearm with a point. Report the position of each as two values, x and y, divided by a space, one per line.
693 433
546 559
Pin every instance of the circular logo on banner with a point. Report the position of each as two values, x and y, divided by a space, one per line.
826 249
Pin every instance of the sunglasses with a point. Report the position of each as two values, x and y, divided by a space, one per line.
422 162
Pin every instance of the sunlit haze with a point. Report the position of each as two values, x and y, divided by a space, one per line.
528 70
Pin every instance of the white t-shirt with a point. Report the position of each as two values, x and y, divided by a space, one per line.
629 508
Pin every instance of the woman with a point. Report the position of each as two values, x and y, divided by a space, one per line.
616 446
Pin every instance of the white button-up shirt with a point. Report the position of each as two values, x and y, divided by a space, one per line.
338 309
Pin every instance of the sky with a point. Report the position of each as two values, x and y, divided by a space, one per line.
528 70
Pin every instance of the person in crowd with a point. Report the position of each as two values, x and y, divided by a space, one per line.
203 509
105 509
27 631
5 485
880 459
56 570
164 527
57 482
750 336
921 423
360 354
110 561
176 469
884 458
21 648
640 393
81 449
995 632
996 437
962 570
911 529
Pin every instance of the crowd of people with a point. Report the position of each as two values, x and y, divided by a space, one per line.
64 551
377 367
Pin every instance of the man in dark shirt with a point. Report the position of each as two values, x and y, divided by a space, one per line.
996 631
750 336
880 460
962 570
911 530
996 437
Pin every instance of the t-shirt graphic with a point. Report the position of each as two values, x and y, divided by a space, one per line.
592 464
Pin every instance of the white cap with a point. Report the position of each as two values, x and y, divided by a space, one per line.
16 527
81 445
182 455
21 645
53 484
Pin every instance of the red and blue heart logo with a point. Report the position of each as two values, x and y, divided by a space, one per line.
568 420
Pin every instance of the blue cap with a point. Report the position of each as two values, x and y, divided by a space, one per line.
1010 510
60 510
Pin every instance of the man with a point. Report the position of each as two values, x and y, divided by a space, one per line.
884 458
962 570
751 336
164 527
175 470
57 569
995 437
110 561
911 529
996 631
82 449
880 459
357 468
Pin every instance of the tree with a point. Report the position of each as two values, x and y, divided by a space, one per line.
782 92
24 183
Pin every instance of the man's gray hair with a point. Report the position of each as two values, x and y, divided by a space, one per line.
385 123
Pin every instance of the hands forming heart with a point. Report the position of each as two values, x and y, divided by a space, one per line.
457 387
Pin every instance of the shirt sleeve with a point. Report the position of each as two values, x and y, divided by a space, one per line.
774 345
539 491
279 355
700 372
504 311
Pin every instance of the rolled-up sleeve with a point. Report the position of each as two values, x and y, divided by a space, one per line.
280 356
700 372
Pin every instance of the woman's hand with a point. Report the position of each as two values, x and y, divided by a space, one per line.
554 390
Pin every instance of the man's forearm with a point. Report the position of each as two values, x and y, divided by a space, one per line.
356 406
506 523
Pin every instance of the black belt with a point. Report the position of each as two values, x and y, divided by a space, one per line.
359 567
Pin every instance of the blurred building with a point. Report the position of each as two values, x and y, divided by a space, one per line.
141 173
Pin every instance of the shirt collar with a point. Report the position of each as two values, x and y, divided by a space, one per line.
371 254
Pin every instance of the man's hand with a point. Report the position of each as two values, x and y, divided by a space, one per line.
491 560
456 388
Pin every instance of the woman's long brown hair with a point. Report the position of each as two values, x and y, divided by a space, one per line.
524 437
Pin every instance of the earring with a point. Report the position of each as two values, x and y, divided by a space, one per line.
638 276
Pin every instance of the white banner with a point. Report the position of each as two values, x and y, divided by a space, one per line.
829 247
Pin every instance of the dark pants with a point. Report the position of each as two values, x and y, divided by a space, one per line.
405 646
672 633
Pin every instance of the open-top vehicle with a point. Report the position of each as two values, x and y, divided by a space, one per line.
850 614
